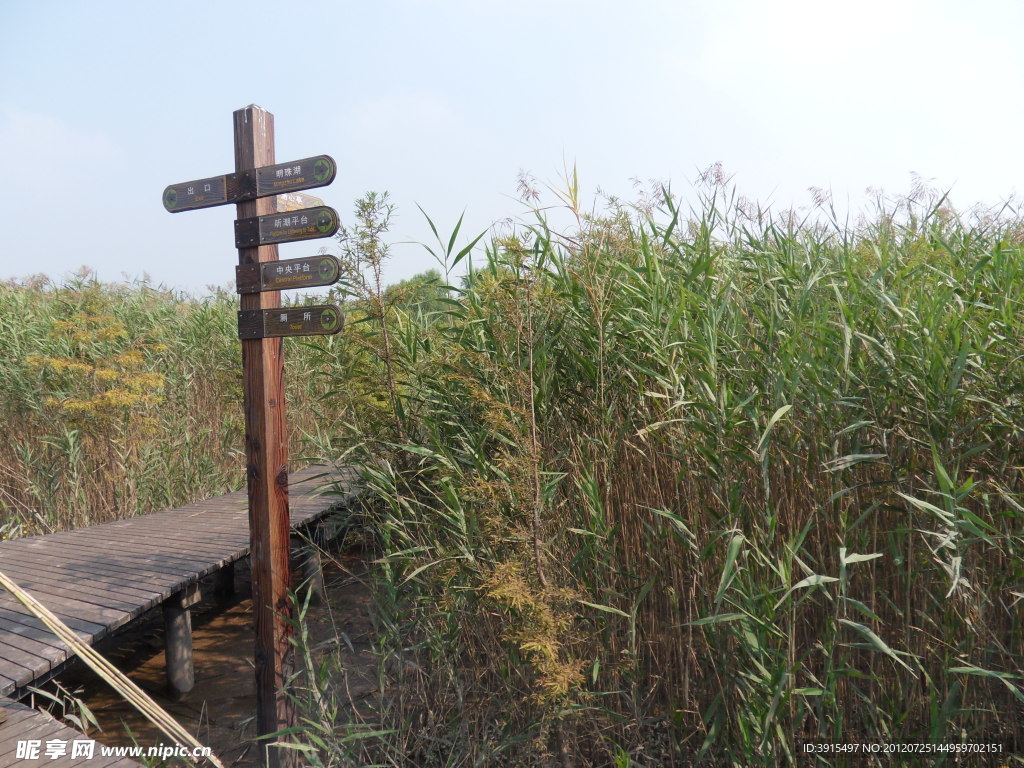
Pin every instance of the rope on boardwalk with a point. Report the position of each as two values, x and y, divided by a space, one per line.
128 690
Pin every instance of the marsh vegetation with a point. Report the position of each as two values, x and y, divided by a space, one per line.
666 484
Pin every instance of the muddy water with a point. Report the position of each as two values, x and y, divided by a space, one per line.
220 710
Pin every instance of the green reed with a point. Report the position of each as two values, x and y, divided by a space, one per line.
687 485
125 398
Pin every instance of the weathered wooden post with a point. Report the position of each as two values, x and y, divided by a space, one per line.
266 455
178 639
262 322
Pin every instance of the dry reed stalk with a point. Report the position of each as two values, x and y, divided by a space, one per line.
124 687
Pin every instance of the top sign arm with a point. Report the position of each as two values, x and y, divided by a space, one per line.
238 187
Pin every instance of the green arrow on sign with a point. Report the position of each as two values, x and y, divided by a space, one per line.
326 221
328 319
321 169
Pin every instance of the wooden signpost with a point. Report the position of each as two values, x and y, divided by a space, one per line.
257 179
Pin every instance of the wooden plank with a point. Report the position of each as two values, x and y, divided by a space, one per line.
98 542
163 544
33 637
204 524
232 502
41 645
85 553
26 723
186 566
9 678
27 631
16 612
87 603
13 657
318 506
266 454
33 658
17 673
309 512
324 483
54 654
223 505
159 520
40 727
157 539
187 527
233 510
327 474
15 713
7 684
66 603
202 529
170 555
92 600
70 564
92 582
133 561
170 551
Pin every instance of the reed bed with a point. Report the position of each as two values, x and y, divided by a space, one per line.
684 486
120 399
668 486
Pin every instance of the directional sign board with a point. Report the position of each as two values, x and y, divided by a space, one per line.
304 224
308 173
201 193
322 320
307 272
290 177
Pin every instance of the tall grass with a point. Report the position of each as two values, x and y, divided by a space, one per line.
670 486
119 399
688 485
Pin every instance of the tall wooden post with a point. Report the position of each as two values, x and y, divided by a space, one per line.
262 322
267 460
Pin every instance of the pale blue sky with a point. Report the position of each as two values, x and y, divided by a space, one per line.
102 104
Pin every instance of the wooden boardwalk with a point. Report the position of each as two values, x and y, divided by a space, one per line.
36 729
100 578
